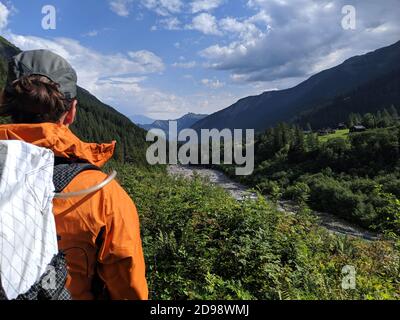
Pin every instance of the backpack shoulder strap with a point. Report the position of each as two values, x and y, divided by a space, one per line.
64 173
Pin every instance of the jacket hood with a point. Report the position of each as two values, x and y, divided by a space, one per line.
60 140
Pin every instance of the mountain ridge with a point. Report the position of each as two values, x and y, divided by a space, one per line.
184 122
262 111
140 119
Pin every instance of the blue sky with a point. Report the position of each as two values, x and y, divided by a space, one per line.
164 58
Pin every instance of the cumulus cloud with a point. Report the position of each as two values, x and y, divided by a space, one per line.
121 7
185 65
127 85
213 84
163 7
171 23
291 40
205 5
148 60
205 23
248 30
4 14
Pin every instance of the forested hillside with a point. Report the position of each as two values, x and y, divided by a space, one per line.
383 92
96 121
353 175
99 122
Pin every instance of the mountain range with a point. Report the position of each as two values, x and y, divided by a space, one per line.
319 92
185 122
139 119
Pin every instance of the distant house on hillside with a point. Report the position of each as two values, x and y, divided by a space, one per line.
322 133
358 128
342 126
325 132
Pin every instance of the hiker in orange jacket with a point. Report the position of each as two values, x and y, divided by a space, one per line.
99 232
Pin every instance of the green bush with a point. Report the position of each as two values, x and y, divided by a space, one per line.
298 192
200 243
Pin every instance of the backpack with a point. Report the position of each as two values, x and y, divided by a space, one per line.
31 266
65 171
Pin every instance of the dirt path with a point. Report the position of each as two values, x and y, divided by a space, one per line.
239 192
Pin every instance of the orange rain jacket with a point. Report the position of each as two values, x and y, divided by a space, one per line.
119 262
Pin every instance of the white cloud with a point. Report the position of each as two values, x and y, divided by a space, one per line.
217 52
127 85
213 84
249 31
92 33
121 7
205 5
4 14
205 23
292 40
163 7
185 65
246 33
171 23
149 61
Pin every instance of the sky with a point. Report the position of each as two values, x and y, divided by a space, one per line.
165 58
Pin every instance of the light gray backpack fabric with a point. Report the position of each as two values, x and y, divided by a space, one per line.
31 266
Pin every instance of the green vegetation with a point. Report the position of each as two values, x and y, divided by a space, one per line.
99 122
200 243
355 176
338 134
371 97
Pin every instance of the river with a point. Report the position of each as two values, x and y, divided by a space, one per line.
240 192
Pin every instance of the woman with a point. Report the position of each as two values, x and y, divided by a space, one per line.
99 232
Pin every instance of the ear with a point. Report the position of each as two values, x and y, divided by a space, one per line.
71 114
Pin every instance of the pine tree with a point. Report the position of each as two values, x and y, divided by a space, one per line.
393 112
369 121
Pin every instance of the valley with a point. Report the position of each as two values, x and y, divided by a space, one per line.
205 236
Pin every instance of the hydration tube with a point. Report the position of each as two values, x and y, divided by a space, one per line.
93 189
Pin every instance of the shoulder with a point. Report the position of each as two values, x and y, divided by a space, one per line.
114 197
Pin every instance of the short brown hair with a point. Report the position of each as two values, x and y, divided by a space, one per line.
34 99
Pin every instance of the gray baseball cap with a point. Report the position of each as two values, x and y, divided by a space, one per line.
44 63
